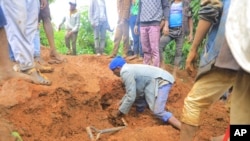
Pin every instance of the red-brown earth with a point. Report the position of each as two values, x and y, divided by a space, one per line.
83 93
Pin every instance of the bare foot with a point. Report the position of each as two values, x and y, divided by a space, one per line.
174 122
132 57
55 58
37 77
32 75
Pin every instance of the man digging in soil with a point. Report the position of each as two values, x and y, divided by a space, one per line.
145 86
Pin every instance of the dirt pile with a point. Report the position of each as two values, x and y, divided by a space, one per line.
83 93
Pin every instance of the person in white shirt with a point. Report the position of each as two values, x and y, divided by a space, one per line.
72 25
99 21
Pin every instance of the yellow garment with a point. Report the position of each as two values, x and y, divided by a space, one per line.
240 99
206 90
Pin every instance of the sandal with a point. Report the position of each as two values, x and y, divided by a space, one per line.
38 78
132 57
54 60
44 69
39 60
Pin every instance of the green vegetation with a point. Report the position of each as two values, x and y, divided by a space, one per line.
85 40
17 136
170 48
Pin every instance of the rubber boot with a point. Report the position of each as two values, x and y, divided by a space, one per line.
218 138
187 132
174 122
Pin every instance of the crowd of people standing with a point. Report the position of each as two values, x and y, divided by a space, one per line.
225 62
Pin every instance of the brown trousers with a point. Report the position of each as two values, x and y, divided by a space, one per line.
121 33
205 91
240 99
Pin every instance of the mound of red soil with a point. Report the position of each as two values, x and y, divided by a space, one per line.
83 93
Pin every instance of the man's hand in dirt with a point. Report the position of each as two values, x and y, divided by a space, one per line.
115 118
116 114
190 62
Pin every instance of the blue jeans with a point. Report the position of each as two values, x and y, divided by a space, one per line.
100 36
160 102
136 38
36 41
11 54
140 104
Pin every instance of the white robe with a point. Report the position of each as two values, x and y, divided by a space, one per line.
22 21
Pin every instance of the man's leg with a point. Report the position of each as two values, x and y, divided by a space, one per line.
239 111
67 43
6 70
178 53
21 33
145 45
11 54
159 107
117 40
164 40
103 37
46 18
188 130
125 33
154 38
74 38
135 37
206 90
37 48
140 104
96 38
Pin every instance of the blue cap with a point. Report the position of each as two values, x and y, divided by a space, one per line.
118 61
